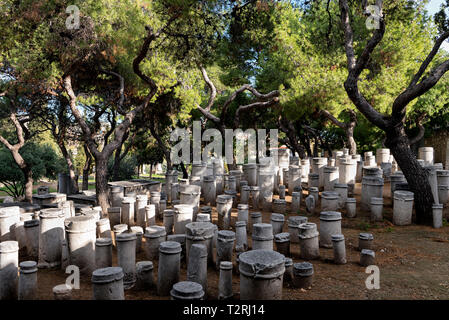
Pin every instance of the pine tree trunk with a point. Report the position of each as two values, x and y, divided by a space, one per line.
86 169
101 182
352 146
415 174
28 173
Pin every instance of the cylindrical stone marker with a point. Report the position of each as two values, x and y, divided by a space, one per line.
309 241
243 214
376 208
138 231
28 280
262 236
365 241
296 202
8 217
330 223
329 201
128 214
197 265
103 228
277 222
126 258
150 215
437 215
107 284
367 257
224 208
51 234
255 217
288 274
351 207
115 215
338 243
187 290
225 281
81 236
241 244
169 220
141 203
154 236
225 246
168 267
62 292
282 241
103 253
200 233
145 279
302 275
293 227
9 263
32 238
261 275
402 208
183 215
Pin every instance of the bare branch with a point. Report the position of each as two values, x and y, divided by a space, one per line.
213 90
265 104
334 120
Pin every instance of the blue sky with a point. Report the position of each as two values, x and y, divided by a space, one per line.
433 6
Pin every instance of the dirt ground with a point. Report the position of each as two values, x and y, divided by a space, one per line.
413 262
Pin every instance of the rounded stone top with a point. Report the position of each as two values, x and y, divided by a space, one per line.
137 230
181 238
202 217
404 195
262 264
250 165
51 213
31 223
288 262
155 232
246 188
330 215
187 290
240 224
103 242
255 214
128 200
170 247
303 269
330 169
206 209
351 200
126 237
199 229
62 289
224 198
169 212
277 217
242 206
120 227
279 201
28 266
365 236
314 175
226 236
102 221
340 185
106 275
254 188
9 211
337 237
437 206
375 200
226 265
282 237
295 221
230 192
367 252
183 208
313 189
307 230
9 246
442 173
262 231
330 195
144 265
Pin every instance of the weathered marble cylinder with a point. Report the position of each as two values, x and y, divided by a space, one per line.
28 280
225 281
294 178
8 216
233 195
338 243
250 173
293 227
62 292
103 253
197 265
302 275
437 215
280 206
365 241
51 234
114 215
155 198
32 238
282 192
376 208
225 246
426 154
432 177
342 190
282 241
309 241
351 207
241 244
288 274
224 208
126 257
118 229
183 215
261 275
169 220
244 194
255 217
141 203
103 228
191 197
138 231
277 222
154 236
168 267
329 201
9 263
117 194
330 223
262 236
243 214
443 194
382 155
255 196
128 207
403 207
210 191
330 177
187 290
314 180
372 186
296 201
145 279
107 284
367 258
200 233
